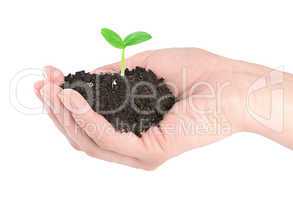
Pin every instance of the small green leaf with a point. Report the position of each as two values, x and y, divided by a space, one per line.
136 38
113 38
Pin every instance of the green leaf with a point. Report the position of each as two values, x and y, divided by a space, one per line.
113 38
136 38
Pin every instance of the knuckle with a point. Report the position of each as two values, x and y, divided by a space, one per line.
105 139
150 167
104 142
153 159
75 147
157 157
90 152
159 160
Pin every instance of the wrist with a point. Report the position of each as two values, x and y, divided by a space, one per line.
248 100
261 94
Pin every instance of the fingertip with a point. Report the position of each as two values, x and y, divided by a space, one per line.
53 74
38 85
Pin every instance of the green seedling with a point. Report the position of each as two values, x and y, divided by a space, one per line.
116 41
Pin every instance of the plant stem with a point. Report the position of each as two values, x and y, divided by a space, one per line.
123 64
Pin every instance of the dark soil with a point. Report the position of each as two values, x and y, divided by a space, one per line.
134 102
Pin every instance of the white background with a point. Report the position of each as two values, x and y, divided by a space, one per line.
36 162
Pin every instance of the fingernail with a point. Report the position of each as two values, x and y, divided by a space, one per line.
73 101
67 97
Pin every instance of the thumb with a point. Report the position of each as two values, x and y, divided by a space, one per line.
74 102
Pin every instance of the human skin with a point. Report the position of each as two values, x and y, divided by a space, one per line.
213 95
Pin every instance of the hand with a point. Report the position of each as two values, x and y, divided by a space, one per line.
211 90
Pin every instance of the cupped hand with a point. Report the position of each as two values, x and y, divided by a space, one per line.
209 89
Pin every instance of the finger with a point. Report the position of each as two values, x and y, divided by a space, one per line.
109 156
98 128
77 135
38 86
53 75
131 62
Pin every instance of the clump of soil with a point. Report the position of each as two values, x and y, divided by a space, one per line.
133 103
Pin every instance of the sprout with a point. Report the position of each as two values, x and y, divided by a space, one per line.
116 41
